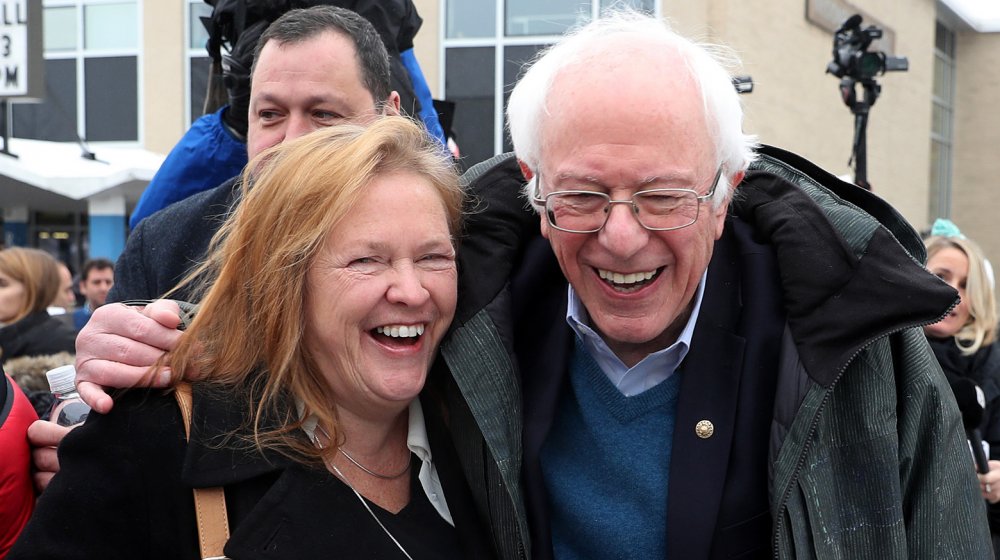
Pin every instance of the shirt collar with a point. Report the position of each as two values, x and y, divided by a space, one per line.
651 370
418 444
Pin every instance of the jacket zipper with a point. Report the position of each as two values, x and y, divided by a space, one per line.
819 411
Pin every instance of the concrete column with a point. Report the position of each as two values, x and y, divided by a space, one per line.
107 225
15 226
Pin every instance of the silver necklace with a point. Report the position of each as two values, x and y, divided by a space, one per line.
372 513
361 498
355 462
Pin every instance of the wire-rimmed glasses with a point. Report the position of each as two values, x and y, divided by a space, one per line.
578 211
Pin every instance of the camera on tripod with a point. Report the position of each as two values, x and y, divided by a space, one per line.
852 58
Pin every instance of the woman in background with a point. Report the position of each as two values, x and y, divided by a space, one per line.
29 281
964 341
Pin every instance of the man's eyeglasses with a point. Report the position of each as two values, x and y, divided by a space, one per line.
656 209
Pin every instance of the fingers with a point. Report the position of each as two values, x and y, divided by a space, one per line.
118 346
44 438
42 480
165 312
113 329
989 483
46 434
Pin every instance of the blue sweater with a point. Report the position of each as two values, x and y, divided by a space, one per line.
606 463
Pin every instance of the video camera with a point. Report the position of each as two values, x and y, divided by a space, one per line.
852 58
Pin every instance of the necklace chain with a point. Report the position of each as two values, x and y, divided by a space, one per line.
361 498
354 462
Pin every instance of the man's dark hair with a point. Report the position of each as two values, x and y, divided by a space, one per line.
95 264
297 26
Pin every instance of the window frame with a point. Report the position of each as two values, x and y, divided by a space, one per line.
81 53
939 203
499 42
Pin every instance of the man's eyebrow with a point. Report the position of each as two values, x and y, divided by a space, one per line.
310 101
668 178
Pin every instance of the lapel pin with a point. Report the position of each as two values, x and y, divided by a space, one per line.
704 429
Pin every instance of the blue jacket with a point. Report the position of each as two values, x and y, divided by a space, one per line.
206 156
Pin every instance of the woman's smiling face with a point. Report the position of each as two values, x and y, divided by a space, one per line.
381 295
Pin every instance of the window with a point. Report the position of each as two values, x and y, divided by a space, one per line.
487 43
197 57
941 122
91 73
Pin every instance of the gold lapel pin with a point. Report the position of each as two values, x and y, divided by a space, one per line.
704 429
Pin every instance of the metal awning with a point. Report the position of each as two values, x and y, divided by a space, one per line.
54 176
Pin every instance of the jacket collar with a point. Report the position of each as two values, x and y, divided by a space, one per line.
847 278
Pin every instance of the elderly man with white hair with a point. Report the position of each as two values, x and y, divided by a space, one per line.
713 348
734 367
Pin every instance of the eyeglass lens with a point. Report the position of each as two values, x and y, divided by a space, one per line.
655 209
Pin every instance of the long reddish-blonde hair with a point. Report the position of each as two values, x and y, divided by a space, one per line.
250 326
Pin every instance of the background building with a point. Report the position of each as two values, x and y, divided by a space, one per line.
128 76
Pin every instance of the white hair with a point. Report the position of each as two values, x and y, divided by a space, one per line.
707 64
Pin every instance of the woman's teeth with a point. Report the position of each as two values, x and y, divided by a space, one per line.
401 331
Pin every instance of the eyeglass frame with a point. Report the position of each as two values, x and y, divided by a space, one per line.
543 203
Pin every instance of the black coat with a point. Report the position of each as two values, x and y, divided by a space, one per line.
170 243
983 368
38 334
127 476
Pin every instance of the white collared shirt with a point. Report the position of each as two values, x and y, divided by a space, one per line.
416 441
651 370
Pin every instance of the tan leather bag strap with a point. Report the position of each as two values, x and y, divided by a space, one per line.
209 503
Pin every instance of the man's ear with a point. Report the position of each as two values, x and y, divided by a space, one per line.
525 170
392 104
736 180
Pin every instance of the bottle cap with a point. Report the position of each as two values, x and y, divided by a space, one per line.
62 379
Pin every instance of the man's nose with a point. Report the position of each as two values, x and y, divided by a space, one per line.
298 125
623 235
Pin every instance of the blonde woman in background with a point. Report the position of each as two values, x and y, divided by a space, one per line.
964 341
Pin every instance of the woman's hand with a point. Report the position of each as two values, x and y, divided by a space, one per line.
989 483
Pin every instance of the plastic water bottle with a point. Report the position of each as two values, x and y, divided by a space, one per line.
68 409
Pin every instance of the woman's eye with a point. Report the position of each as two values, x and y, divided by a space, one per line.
366 264
437 261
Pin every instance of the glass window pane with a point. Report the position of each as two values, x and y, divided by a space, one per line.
934 192
111 96
940 81
199 84
110 26
197 31
60 28
645 6
55 118
514 60
529 17
469 79
937 120
470 18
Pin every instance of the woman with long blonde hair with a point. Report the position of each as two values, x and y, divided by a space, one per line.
325 298
964 341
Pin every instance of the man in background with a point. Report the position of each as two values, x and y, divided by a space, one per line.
95 282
